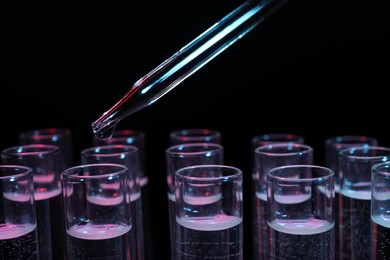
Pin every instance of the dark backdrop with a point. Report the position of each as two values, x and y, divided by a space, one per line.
315 68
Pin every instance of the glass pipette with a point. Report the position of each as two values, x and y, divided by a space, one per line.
185 62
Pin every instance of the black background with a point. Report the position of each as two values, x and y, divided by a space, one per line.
314 68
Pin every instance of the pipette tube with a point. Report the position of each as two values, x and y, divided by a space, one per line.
186 62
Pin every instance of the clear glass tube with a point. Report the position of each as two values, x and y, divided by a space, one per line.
185 62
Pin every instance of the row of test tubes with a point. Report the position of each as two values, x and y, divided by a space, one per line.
100 209
89 211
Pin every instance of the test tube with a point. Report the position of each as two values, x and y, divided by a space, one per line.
209 212
45 160
98 212
300 212
127 155
18 223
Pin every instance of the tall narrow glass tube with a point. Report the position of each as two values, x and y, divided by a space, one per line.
380 211
127 155
98 212
209 212
300 212
180 156
45 161
355 166
18 222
